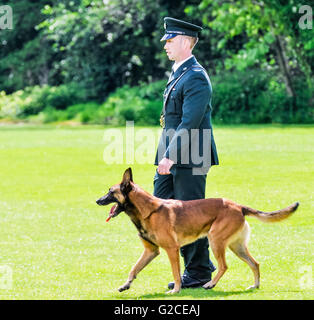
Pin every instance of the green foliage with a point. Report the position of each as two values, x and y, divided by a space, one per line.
26 56
269 33
103 44
257 97
62 96
141 104
107 45
238 97
83 112
32 100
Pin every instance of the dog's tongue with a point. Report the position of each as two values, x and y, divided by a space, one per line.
111 213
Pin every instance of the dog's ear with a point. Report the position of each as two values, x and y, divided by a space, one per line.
127 176
126 186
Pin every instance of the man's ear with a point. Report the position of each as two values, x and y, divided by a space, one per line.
127 178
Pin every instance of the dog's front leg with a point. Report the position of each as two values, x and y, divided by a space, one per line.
150 252
173 254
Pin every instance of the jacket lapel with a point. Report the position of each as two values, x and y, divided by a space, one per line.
170 77
181 69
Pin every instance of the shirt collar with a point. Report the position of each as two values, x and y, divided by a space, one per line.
176 65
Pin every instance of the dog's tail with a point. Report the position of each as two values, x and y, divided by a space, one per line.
273 216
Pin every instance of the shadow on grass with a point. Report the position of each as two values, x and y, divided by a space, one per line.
195 294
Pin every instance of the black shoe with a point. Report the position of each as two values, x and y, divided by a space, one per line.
188 282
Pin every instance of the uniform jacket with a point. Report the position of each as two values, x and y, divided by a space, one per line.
187 138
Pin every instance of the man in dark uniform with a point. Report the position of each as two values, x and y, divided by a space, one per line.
186 148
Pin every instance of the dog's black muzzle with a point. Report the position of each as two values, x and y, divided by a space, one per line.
105 200
115 210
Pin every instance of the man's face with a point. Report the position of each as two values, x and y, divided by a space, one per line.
174 47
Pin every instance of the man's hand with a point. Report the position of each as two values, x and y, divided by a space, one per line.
164 166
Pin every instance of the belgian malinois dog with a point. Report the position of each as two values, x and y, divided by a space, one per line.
171 224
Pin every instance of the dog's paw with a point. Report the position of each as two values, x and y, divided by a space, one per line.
126 286
209 285
252 287
173 291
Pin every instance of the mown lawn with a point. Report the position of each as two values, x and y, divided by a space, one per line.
56 243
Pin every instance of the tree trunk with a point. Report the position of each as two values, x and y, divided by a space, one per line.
282 60
283 65
43 76
303 65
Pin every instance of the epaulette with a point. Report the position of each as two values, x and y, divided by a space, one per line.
197 69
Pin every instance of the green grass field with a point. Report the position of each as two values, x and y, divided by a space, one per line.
55 240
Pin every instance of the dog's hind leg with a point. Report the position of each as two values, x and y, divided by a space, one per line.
150 252
239 247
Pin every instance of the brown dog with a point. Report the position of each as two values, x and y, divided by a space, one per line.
171 224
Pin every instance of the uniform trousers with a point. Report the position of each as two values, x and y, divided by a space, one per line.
181 184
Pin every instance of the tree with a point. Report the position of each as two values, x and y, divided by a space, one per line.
103 44
107 44
25 55
272 37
